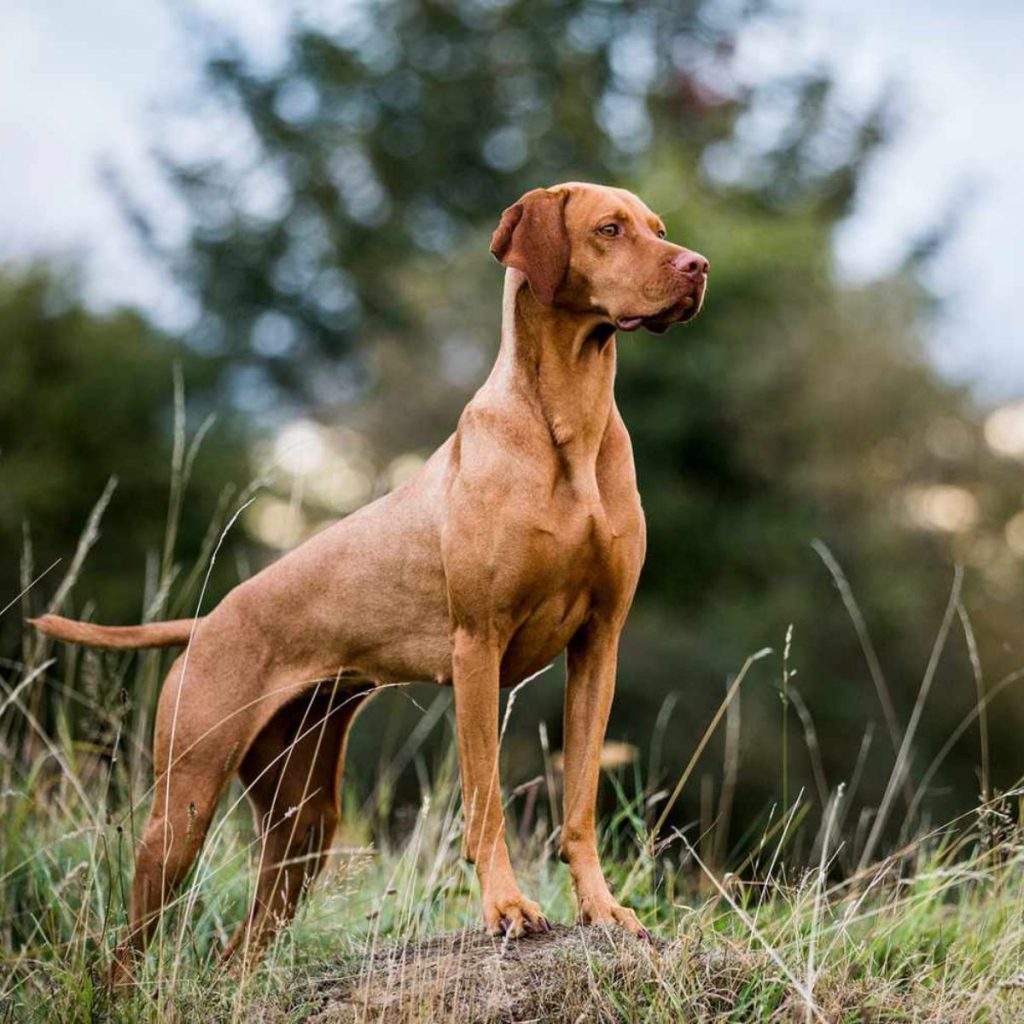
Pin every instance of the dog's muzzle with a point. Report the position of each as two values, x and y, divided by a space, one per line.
682 311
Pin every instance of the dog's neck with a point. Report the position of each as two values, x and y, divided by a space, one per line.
563 361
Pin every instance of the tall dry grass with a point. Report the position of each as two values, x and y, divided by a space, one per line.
815 920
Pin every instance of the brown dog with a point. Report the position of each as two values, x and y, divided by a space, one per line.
522 536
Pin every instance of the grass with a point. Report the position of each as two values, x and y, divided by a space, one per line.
933 932
813 923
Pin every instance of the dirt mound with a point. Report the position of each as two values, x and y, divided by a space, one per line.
567 974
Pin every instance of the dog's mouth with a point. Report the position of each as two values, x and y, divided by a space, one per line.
680 312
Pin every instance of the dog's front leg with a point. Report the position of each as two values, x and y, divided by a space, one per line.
475 668
589 688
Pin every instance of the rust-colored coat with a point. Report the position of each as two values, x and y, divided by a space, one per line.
521 537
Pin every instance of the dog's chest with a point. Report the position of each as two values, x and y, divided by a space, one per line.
597 538
587 559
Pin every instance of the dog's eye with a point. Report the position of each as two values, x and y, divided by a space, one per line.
661 232
610 230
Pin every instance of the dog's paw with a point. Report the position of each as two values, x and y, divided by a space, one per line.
603 910
513 916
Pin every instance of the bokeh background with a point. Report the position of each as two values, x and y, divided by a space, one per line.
269 223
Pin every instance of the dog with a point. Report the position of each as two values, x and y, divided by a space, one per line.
522 536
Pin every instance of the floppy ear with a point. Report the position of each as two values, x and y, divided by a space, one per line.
532 238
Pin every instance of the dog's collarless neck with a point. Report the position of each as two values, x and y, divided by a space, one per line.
564 362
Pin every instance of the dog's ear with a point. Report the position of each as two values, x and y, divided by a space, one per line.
532 238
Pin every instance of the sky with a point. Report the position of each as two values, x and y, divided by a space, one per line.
79 84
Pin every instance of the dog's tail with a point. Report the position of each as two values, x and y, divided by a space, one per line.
174 633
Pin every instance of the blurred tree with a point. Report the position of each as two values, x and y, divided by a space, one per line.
85 396
394 129
336 228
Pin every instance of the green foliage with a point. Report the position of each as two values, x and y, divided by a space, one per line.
86 396
399 128
796 409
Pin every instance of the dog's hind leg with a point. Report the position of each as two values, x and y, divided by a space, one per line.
188 759
292 774
202 730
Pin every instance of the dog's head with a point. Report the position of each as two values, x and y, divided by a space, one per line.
598 250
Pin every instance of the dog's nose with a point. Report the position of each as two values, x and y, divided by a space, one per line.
690 263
